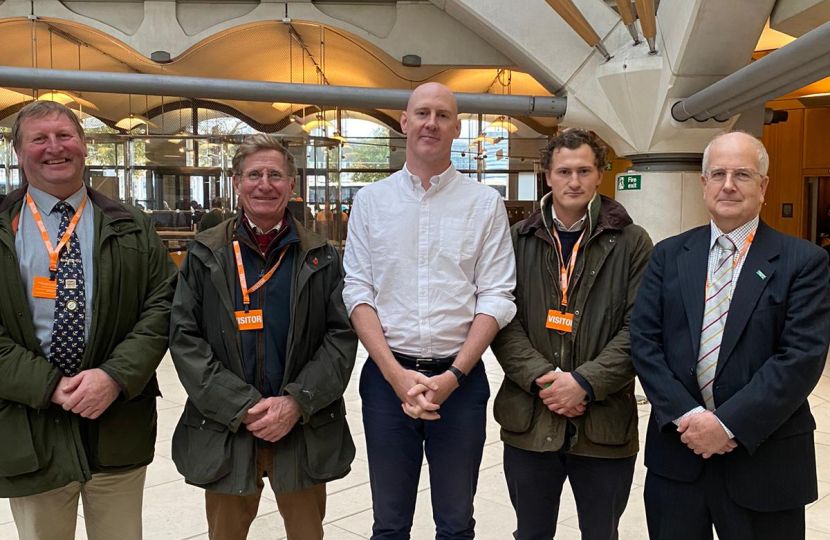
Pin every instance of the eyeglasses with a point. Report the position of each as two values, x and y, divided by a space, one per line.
273 176
740 175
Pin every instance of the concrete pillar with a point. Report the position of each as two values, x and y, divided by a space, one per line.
662 193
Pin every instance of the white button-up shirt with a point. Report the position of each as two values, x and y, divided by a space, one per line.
429 261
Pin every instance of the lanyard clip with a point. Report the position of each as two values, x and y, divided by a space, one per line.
52 275
247 308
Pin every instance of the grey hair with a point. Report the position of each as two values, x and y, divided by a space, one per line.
257 143
763 155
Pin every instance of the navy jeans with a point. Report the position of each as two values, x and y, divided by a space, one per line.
396 443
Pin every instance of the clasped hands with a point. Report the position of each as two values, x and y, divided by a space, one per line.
272 418
422 396
704 435
561 394
88 394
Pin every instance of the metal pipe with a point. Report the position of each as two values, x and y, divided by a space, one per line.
773 86
648 22
784 89
780 64
774 117
627 16
800 77
576 20
242 90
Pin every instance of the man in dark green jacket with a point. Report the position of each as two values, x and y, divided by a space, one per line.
566 405
81 335
264 348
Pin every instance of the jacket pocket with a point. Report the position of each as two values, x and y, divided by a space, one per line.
201 447
127 432
513 407
17 457
328 443
612 421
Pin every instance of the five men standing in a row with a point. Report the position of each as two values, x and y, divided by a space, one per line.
728 334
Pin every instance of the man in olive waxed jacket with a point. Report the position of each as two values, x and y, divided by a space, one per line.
263 346
79 343
566 405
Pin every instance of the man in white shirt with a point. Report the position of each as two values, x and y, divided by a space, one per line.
429 274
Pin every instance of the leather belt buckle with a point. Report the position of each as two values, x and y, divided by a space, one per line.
424 365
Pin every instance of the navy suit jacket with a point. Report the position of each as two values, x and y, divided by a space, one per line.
772 354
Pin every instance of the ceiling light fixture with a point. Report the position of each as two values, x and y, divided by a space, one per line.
504 123
65 98
131 122
317 123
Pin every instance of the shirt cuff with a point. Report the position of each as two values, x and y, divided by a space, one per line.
583 382
696 410
726 429
501 309
353 297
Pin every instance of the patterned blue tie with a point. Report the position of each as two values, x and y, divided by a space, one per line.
70 305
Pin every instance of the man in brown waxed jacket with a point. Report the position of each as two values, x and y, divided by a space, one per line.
566 405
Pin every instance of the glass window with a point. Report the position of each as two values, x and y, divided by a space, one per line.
526 186
368 148
5 158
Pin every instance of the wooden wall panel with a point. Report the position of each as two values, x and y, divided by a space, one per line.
785 144
816 138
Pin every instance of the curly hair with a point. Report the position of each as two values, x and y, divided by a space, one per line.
573 138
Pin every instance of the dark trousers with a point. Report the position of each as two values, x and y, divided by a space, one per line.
687 510
600 487
395 444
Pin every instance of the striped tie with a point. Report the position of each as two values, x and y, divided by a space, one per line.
714 320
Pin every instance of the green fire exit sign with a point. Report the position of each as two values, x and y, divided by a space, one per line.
628 182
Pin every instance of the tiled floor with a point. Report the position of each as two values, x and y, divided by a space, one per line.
175 511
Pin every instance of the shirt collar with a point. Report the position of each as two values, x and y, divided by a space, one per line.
436 181
577 226
46 202
257 230
738 236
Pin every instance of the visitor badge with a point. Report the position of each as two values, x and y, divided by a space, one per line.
249 320
557 320
43 287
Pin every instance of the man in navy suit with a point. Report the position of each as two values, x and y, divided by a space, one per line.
729 335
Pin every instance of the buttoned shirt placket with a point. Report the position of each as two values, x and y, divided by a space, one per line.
424 242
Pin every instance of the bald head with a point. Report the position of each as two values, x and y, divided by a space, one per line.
739 137
430 123
433 90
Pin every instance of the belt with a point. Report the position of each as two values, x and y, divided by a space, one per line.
424 365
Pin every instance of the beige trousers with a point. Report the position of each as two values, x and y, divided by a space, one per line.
230 516
112 509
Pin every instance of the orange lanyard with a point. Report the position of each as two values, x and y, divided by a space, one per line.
243 283
54 253
566 271
735 262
